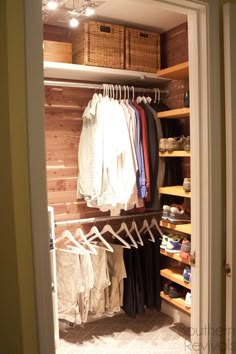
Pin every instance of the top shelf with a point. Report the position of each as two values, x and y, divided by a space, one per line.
176 72
86 73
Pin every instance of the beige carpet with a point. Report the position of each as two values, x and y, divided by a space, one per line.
152 333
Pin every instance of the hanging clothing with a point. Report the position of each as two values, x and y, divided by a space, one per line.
69 285
101 282
117 273
153 160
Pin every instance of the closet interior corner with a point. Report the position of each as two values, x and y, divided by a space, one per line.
118 163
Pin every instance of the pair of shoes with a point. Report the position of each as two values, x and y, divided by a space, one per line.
174 144
171 243
176 214
188 299
185 249
187 274
187 184
173 290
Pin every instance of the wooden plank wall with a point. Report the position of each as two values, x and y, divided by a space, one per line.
63 123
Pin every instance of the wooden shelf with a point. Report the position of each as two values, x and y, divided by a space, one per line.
176 72
174 256
185 228
88 73
175 190
179 303
174 113
180 153
175 275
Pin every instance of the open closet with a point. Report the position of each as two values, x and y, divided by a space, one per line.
148 237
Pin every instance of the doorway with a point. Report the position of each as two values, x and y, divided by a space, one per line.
206 168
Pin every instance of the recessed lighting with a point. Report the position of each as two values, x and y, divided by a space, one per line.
52 5
89 11
74 22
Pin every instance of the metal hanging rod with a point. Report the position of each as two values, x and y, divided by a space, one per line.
105 218
99 87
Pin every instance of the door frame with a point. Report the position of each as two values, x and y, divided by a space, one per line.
206 169
229 13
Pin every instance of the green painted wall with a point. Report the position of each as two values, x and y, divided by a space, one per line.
18 333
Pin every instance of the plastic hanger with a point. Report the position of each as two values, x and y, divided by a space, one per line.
79 233
154 223
146 227
132 87
94 233
66 235
108 228
124 227
135 228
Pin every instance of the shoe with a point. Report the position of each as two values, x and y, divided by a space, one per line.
174 144
188 299
179 215
187 274
163 145
187 185
187 144
165 212
164 241
166 288
174 245
175 290
185 249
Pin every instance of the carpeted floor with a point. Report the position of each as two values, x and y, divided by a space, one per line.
152 333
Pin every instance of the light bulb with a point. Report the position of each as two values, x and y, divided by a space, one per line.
74 22
89 11
52 5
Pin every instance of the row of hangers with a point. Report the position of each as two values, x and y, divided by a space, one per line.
82 243
115 92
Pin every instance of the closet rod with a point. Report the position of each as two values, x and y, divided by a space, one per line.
104 218
97 87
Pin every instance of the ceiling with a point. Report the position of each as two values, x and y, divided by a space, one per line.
144 13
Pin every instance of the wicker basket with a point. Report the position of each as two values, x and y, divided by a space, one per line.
99 44
142 50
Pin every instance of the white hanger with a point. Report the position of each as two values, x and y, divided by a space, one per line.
155 97
79 233
124 227
135 228
132 93
154 223
159 95
67 235
94 232
144 99
108 228
146 227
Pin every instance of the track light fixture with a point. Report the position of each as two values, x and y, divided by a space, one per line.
69 11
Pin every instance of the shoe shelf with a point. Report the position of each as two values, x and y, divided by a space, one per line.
174 256
174 113
175 72
175 275
185 228
175 190
176 153
179 303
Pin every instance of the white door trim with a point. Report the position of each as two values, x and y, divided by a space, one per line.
37 166
205 118
230 128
